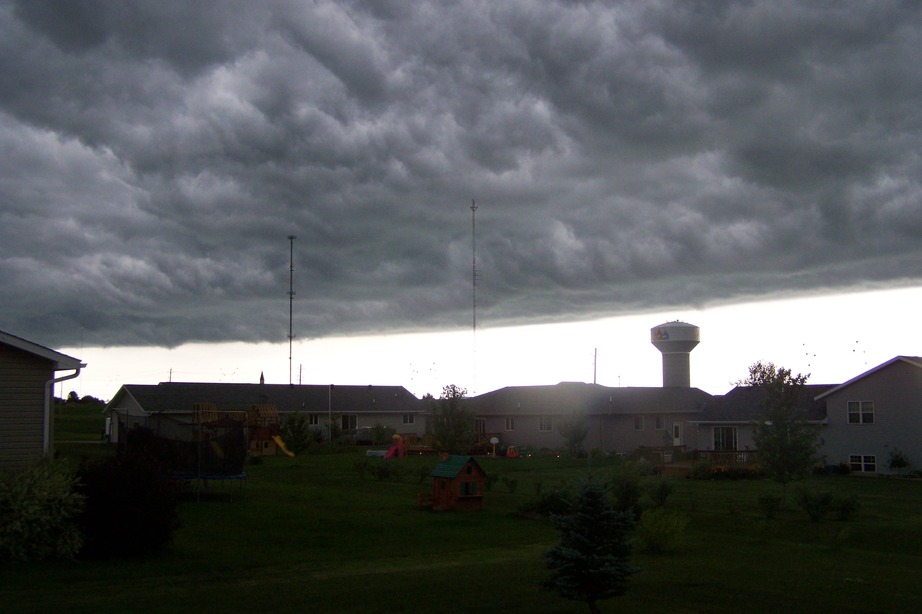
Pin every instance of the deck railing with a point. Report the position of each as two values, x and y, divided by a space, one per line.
734 459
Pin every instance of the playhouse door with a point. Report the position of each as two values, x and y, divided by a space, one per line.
677 433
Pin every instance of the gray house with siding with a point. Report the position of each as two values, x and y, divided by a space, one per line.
27 379
873 415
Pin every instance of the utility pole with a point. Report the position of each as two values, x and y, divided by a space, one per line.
291 300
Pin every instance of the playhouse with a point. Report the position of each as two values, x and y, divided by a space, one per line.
458 484
264 426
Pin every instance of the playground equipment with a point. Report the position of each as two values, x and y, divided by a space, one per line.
398 448
264 426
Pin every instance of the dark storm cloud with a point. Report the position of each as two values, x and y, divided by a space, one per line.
624 156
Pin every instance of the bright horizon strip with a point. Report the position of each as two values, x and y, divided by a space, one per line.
833 338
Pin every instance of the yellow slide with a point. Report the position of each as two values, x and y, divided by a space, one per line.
281 444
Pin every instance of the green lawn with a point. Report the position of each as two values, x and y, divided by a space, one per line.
310 534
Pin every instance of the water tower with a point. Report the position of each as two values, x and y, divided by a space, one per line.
675 340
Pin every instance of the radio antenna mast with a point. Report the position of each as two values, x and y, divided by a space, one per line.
291 300
474 289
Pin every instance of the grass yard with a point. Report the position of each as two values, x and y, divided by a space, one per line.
310 534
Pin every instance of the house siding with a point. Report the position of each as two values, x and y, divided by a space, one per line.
896 391
22 398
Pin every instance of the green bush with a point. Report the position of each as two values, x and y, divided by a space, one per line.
770 505
816 504
381 434
659 492
626 492
38 507
552 502
701 470
130 510
661 530
845 507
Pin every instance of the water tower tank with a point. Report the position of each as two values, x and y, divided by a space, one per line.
675 340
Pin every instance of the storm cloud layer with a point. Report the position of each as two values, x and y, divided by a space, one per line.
624 156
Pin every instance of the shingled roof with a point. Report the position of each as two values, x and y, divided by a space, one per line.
743 404
592 398
181 396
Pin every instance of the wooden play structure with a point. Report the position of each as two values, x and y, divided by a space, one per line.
458 484
264 427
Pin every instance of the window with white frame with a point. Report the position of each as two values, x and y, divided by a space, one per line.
510 423
313 419
861 412
725 438
545 423
659 423
863 463
480 425
409 418
638 423
348 422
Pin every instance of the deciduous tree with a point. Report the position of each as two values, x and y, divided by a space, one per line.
786 443
452 425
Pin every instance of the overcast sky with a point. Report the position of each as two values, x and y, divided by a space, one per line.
625 158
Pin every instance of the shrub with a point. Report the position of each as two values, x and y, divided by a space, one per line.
660 491
845 507
129 510
489 480
510 483
701 470
626 492
816 504
770 504
552 502
897 460
382 434
296 432
38 507
661 530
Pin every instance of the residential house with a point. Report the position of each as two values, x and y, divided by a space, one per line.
875 415
351 407
619 419
27 379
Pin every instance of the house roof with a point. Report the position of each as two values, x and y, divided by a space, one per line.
452 466
567 397
181 396
744 404
59 361
915 361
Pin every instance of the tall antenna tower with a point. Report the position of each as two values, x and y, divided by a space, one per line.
291 301
474 289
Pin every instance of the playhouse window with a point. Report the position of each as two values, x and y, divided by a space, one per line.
468 489
861 412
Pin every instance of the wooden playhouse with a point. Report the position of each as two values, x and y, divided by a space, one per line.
458 484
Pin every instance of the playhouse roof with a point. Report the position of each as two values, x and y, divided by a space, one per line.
452 466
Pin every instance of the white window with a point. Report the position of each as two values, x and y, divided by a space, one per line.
724 438
480 425
863 463
545 423
659 423
313 419
861 412
638 423
510 423
409 418
348 422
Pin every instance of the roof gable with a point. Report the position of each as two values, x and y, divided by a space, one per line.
914 361
59 361
453 465
744 404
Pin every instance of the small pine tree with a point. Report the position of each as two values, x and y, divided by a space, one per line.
591 562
